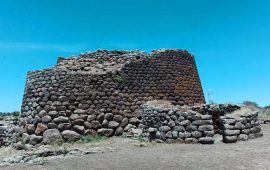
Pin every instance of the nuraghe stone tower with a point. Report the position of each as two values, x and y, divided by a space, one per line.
85 88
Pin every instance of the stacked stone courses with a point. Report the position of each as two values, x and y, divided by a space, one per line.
78 92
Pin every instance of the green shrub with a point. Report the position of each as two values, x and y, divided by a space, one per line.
120 78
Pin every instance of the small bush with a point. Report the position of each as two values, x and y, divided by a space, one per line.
120 78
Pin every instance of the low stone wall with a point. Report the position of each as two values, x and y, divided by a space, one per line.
243 128
184 125
175 125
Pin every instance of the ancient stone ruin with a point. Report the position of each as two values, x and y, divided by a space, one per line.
108 93
163 122
101 92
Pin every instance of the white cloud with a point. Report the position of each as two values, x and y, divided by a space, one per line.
40 46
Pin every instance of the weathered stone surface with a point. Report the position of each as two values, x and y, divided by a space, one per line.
208 133
229 139
46 119
206 128
34 139
53 114
118 118
113 124
119 131
206 140
196 134
185 123
134 121
243 137
74 116
78 122
109 116
91 117
30 128
164 128
61 119
78 129
95 124
105 132
231 132
191 128
206 117
191 140
124 122
100 117
52 136
179 128
41 128
70 135
64 126
79 111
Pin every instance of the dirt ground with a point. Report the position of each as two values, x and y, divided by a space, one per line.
253 154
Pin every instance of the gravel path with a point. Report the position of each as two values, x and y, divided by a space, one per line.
253 154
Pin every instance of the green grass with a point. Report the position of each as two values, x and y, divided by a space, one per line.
120 78
90 138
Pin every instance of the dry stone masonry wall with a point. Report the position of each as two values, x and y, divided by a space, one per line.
243 128
101 92
176 124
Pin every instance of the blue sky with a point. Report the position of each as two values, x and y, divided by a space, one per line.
229 38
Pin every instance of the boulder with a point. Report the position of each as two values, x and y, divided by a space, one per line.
64 126
206 128
164 128
113 124
46 119
124 122
134 121
231 132
206 140
229 139
119 131
79 129
34 139
118 118
61 119
105 132
243 137
30 128
52 136
70 135
109 116
53 114
191 140
41 127
79 111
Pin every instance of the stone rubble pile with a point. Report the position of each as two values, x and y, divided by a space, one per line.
39 155
10 131
240 129
101 61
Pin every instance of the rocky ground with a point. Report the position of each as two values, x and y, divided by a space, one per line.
124 153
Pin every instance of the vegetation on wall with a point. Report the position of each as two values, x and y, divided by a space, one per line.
120 78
